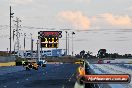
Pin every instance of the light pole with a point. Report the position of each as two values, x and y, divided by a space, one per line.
39 46
24 40
72 43
11 16
13 40
14 48
66 43
31 46
37 49
66 37
7 50
24 45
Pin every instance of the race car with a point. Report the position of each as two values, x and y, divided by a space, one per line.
31 65
42 63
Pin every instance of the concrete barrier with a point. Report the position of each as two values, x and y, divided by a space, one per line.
7 60
8 64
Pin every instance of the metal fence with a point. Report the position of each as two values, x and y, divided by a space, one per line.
7 59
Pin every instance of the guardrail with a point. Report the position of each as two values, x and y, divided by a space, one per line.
90 71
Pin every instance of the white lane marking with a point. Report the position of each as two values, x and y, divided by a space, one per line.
96 70
4 86
17 82
63 86
110 69
116 86
72 74
71 77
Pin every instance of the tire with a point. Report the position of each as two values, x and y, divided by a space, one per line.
36 68
30 66
80 81
27 68
44 65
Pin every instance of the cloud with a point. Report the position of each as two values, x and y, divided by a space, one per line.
117 20
130 8
76 18
21 1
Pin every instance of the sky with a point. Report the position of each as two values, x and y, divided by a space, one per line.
97 24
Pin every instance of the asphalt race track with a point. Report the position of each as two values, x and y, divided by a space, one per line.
53 76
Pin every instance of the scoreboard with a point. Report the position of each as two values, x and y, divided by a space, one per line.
49 45
49 39
43 34
49 42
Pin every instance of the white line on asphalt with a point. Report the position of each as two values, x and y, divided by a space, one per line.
4 86
71 77
17 82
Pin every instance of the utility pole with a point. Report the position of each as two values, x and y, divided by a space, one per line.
66 43
72 43
11 16
17 32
